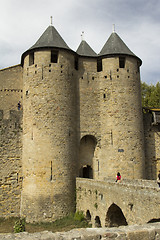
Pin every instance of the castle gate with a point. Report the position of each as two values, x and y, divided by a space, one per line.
87 148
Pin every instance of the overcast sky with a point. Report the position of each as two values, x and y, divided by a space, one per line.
137 22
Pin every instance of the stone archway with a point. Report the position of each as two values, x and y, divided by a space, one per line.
115 217
154 220
88 215
97 222
87 148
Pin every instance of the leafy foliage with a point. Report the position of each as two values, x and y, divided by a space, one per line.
79 216
150 95
19 226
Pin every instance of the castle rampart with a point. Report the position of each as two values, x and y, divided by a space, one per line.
11 88
11 165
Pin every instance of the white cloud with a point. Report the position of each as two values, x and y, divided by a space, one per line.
137 23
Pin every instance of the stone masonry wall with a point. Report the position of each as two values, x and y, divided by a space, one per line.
144 232
138 201
10 163
152 147
122 137
90 125
50 141
11 87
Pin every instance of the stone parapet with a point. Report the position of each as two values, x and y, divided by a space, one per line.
144 232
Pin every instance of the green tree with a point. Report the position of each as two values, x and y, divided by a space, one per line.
150 95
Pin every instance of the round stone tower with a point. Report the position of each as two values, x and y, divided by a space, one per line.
122 138
50 142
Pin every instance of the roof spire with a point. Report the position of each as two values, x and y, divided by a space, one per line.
82 35
113 27
51 20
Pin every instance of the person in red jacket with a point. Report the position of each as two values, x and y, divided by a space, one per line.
118 177
158 179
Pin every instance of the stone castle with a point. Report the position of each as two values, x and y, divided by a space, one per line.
80 115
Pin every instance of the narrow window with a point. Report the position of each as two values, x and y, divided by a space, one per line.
51 170
54 56
99 65
76 63
138 66
104 95
122 62
31 59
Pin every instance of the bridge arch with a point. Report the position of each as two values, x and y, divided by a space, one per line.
115 217
154 220
97 222
87 148
88 215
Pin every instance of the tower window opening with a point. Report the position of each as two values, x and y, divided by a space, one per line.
51 172
54 56
87 172
31 58
104 95
99 65
138 66
122 62
76 63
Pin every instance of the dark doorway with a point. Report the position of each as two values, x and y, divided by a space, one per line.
87 172
88 215
115 217
97 222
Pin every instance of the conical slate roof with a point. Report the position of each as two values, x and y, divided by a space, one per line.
115 45
50 38
85 50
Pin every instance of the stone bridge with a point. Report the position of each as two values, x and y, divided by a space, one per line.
107 203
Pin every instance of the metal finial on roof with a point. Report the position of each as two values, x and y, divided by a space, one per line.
82 36
51 20
113 28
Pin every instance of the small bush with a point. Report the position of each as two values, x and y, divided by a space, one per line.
96 205
79 216
19 226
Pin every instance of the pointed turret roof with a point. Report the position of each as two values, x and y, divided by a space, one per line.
50 38
85 50
115 45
